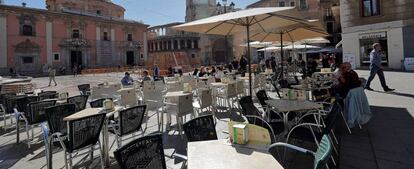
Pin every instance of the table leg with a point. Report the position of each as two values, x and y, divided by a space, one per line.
17 131
105 144
50 153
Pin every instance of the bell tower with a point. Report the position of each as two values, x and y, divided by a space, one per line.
199 9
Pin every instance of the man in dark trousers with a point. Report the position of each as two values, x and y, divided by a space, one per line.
376 68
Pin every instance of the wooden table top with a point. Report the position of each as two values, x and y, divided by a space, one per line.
282 105
90 112
177 94
218 154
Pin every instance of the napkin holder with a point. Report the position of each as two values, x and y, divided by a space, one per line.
108 104
240 134
63 96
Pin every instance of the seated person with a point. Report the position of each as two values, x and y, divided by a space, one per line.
146 76
219 73
127 80
202 72
348 80
195 73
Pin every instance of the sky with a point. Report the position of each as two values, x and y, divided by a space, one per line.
152 12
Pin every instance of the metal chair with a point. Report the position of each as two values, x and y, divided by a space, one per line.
80 101
228 94
82 133
205 101
128 122
84 89
128 97
200 129
153 98
9 104
321 156
44 95
143 153
271 114
182 107
98 103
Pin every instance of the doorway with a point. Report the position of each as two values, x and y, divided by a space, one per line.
130 60
75 58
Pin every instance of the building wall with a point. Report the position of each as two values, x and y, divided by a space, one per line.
396 20
52 32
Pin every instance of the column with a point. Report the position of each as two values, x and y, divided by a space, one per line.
98 46
145 47
3 41
115 58
49 42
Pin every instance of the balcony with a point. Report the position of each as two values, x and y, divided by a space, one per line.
75 43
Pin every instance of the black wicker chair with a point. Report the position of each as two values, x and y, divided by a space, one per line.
55 116
83 132
21 111
128 122
84 89
248 107
48 95
8 105
200 129
98 103
143 153
80 101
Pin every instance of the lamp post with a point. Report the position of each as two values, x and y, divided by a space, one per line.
226 46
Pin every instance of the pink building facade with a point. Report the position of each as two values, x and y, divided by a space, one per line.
67 35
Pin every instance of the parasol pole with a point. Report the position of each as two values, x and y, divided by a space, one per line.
248 56
281 52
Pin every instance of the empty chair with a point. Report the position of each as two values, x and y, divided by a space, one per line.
143 153
98 103
80 101
182 107
84 89
200 129
175 86
271 115
153 98
129 121
8 106
83 132
321 156
205 101
20 111
240 89
44 95
228 94
128 97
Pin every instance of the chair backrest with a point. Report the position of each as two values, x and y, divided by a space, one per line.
80 101
98 103
85 131
37 112
202 84
240 87
262 97
143 153
205 97
10 102
84 88
175 86
323 153
131 119
48 95
331 120
55 116
128 97
185 104
211 79
200 129
152 91
248 106
231 89
23 103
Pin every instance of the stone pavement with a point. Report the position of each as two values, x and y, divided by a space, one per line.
385 142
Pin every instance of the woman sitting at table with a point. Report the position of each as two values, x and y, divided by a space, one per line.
202 72
195 72
347 80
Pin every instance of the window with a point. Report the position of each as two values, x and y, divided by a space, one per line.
182 44
189 45
142 55
169 45
292 3
27 59
281 3
98 12
175 44
27 30
303 4
370 7
75 34
195 44
129 37
56 57
105 36
193 55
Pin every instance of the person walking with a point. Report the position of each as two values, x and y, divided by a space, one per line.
376 68
52 74
75 70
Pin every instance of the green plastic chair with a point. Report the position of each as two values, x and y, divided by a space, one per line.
321 156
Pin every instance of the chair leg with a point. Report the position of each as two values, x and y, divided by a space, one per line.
346 124
28 135
70 160
101 156
66 159
91 154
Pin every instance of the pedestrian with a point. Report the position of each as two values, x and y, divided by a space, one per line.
52 74
376 68
156 71
75 70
